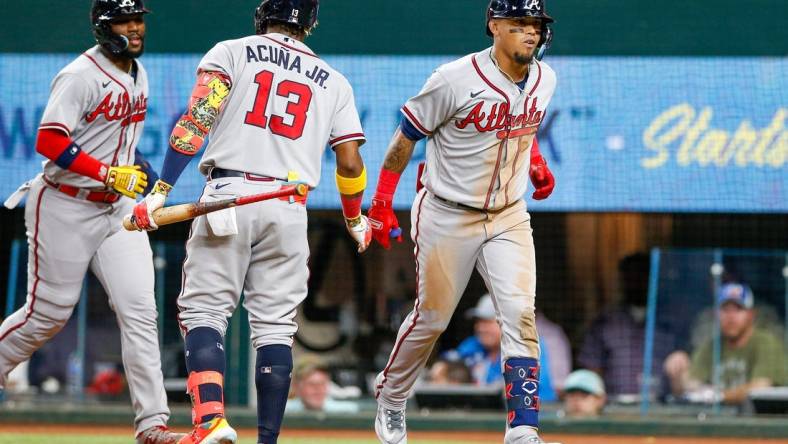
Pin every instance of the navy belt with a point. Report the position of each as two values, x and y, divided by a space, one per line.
462 206
219 173
454 204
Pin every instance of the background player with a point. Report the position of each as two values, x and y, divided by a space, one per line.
270 105
89 133
480 115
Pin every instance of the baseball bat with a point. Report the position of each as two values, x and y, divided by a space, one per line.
180 213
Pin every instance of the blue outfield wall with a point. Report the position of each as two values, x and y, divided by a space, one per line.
622 133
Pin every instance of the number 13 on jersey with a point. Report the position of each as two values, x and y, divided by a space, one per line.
297 106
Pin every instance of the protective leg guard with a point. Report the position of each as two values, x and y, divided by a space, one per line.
272 379
204 406
522 391
205 363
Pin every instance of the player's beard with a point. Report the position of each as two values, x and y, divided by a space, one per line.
523 59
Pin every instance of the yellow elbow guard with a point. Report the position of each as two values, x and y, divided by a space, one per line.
350 186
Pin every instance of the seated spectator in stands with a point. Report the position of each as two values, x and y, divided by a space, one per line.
584 394
311 384
750 358
481 352
448 372
614 343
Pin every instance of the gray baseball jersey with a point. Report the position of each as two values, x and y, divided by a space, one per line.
285 103
102 109
481 129
471 212
284 106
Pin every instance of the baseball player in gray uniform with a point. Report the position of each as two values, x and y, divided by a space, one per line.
480 115
270 106
89 133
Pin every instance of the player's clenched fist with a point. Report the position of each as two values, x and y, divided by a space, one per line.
541 177
128 180
360 231
142 216
383 222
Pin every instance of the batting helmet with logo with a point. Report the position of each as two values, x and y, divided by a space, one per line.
104 12
302 13
522 8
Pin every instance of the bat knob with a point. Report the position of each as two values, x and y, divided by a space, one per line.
301 189
129 223
395 232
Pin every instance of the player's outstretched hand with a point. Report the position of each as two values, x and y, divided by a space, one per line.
142 216
360 231
128 180
542 178
384 223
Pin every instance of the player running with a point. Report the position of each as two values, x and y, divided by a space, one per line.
270 105
89 134
480 115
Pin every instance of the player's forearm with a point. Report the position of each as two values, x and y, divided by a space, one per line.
351 179
349 161
66 154
188 136
397 158
399 153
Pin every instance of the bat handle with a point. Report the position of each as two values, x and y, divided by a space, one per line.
395 232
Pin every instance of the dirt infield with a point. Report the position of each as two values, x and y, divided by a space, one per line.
364 437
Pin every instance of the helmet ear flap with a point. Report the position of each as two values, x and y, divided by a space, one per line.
546 40
114 43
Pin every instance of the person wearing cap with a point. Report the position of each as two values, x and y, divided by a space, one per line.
751 358
481 352
584 394
311 384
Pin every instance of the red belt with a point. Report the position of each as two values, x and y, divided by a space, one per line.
81 193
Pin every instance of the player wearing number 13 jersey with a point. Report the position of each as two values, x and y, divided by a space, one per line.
270 106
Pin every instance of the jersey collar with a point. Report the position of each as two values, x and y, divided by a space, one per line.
289 42
492 65
107 66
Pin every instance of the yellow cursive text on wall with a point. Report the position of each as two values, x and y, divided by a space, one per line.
698 143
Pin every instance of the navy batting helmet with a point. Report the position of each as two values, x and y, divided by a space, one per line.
104 12
302 13
522 8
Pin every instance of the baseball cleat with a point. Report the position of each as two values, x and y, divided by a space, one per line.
523 435
215 431
159 435
390 426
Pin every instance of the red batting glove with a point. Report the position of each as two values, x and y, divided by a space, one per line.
541 177
382 220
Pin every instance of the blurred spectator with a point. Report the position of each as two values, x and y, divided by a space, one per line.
584 394
750 358
555 359
481 352
311 384
450 372
109 381
614 343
